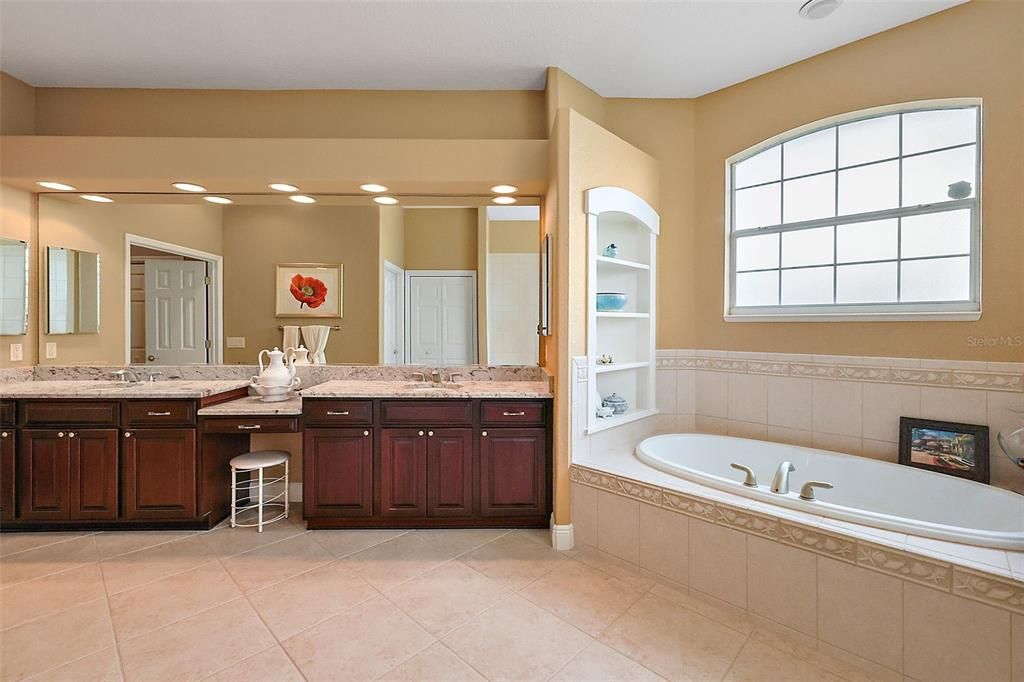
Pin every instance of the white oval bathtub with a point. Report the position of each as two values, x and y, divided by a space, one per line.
867 491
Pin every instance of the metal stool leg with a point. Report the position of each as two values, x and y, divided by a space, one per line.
234 496
259 507
286 507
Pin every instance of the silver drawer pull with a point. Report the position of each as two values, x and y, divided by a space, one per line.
337 414
249 427
159 414
513 414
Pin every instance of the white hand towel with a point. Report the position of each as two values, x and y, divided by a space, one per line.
290 337
316 341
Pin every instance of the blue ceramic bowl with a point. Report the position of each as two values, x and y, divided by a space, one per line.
608 302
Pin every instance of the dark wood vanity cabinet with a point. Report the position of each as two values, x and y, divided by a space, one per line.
338 472
67 475
159 471
513 472
7 448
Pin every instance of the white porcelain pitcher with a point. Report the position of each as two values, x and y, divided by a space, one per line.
298 356
275 373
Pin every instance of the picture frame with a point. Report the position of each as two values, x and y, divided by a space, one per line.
308 290
945 447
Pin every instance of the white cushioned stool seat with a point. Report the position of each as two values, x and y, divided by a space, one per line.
258 460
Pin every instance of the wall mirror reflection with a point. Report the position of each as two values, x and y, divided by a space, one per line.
432 280
13 287
72 291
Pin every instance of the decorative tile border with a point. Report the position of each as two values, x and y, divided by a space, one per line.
1000 377
982 587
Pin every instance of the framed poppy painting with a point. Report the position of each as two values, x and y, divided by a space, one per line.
308 290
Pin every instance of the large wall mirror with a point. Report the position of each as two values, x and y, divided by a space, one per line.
438 281
13 287
72 291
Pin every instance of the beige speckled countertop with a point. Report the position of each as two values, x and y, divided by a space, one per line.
118 389
253 405
405 389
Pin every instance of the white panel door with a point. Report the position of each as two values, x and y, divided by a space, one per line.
459 310
394 315
442 319
176 316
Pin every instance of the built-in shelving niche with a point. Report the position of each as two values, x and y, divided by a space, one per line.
618 216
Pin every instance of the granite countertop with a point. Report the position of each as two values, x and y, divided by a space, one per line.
405 389
118 389
253 405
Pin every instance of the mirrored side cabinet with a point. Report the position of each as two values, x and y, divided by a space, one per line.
13 287
72 291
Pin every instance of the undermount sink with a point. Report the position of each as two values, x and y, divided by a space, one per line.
431 386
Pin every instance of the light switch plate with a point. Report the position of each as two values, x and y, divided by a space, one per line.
236 342
16 352
51 350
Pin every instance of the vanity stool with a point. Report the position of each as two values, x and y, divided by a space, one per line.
258 462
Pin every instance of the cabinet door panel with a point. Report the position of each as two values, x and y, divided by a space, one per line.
513 472
403 472
338 472
43 469
159 473
93 476
450 472
6 474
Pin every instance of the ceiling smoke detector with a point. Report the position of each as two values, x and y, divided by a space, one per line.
819 9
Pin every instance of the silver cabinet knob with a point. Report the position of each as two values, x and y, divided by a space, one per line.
4 434
366 433
71 434
60 434
127 434
421 433
483 433
430 433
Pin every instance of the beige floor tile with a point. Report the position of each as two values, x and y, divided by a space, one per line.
44 560
541 535
436 663
513 560
56 592
11 543
758 662
516 640
342 543
719 611
718 562
197 646
446 597
618 526
664 543
638 578
225 541
601 662
102 666
949 638
272 665
674 641
360 644
780 581
304 600
57 639
395 561
276 562
801 648
584 515
112 543
165 601
582 596
126 571
456 542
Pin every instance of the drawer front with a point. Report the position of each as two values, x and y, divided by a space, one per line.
511 412
250 425
159 413
338 412
426 412
6 414
67 413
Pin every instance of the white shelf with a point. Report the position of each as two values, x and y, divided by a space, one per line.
626 316
620 366
610 422
623 263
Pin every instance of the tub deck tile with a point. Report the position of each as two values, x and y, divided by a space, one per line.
935 574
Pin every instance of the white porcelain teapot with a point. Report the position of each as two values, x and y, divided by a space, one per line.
275 373
298 356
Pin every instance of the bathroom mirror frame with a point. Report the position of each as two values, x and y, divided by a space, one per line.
6 301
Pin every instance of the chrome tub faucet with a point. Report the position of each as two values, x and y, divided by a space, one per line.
780 482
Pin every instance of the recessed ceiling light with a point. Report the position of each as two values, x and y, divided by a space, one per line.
219 200
504 189
283 187
188 187
373 187
387 201
302 199
504 200
97 198
49 184
819 9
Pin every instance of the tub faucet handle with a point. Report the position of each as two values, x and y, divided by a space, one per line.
807 489
750 480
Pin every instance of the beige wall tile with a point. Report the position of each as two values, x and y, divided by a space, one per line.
780 580
686 391
849 445
880 450
789 402
861 611
1017 642
618 526
980 649
782 434
953 404
747 398
712 394
884 404
713 425
718 562
584 514
665 390
747 430
664 543
837 407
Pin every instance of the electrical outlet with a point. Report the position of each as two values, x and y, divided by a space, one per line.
51 350
236 342
16 352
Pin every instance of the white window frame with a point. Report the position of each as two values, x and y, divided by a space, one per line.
867 312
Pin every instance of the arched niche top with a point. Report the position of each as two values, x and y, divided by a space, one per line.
620 200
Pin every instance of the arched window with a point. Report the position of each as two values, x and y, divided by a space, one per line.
869 215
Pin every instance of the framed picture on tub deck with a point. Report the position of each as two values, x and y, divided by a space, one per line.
308 290
947 447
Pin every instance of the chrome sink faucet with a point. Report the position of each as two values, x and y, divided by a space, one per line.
128 375
435 377
780 482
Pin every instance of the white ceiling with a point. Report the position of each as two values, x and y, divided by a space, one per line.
621 48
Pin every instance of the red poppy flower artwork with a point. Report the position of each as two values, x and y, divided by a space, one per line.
308 291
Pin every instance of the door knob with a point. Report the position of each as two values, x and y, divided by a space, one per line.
151 358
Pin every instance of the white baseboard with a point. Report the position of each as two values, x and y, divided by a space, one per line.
295 492
561 536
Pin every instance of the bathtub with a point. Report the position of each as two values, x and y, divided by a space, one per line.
869 492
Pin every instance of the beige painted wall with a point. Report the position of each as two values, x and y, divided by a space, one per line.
17 106
17 221
513 236
257 238
441 238
101 228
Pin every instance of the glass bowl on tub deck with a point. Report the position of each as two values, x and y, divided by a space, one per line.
611 301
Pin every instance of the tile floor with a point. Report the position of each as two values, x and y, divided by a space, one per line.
231 604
